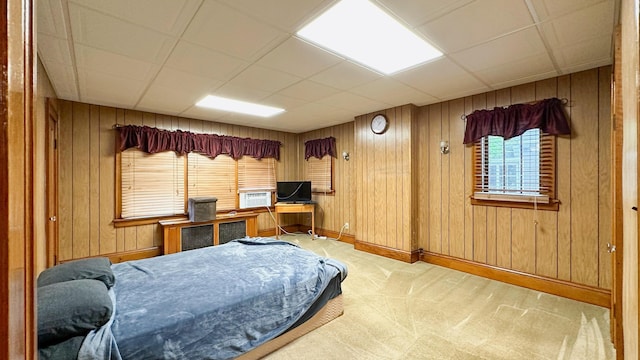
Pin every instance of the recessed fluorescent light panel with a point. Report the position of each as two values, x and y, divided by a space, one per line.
361 31
243 107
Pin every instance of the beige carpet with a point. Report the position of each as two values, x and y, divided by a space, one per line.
395 310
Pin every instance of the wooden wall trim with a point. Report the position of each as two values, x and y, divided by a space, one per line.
396 254
346 238
587 294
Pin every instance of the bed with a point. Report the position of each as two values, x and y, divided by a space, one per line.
242 299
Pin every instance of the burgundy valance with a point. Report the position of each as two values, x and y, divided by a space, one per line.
547 115
320 147
153 140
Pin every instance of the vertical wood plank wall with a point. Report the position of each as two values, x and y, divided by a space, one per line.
397 191
87 175
385 188
569 244
333 210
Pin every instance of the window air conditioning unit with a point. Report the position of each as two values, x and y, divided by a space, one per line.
255 199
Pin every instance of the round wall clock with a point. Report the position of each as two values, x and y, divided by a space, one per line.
379 124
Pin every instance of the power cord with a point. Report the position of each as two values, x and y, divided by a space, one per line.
276 223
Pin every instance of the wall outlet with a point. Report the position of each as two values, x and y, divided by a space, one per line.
346 226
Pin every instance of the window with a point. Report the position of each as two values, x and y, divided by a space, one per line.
320 173
519 172
156 185
151 184
213 178
256 174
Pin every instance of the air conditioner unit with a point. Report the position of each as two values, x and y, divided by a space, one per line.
255 199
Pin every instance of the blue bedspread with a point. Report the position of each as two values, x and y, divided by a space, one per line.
217 302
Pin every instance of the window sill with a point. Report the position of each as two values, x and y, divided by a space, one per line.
553 205
540 202
122 223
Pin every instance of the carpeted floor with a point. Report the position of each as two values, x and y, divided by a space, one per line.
395 310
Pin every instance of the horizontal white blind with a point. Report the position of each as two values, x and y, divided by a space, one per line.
152 184
522 166
256 174
213 178
319 173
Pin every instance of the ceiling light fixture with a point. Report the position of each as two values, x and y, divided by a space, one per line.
243 107
361 31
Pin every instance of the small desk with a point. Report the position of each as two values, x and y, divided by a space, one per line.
284 208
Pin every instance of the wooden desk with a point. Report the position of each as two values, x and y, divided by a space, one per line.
284 208
172 229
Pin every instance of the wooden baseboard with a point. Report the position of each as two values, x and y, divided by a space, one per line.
272 231
587 294
406 256
347 238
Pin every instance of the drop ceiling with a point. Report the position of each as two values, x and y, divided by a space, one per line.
163 56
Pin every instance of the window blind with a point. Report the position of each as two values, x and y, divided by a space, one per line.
320 173
519 169
151 184
213 178
256 175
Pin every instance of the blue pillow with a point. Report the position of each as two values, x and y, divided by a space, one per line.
71 308
98 268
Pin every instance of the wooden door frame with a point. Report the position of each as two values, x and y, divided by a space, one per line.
17 249
52 119
617 234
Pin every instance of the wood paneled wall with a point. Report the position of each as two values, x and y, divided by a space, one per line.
385 183
570 244
43 91
333 210
87 176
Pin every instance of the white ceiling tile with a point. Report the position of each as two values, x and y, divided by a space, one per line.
105 89
168 16
309 90
104 32
519 70
579 26
549 9
391 91
283 102
63 80
54 49
441 79
481 23
185 82
51 19
271 11
203 113
345 75
218 27
526 79
513 47
585 54
164 55
261 78
88 58
357 103
242 93
198 60
299 58
416 13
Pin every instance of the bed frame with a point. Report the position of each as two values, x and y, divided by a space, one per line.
333 309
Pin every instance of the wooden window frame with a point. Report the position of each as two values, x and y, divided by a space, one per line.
119 222
332 190
547 171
